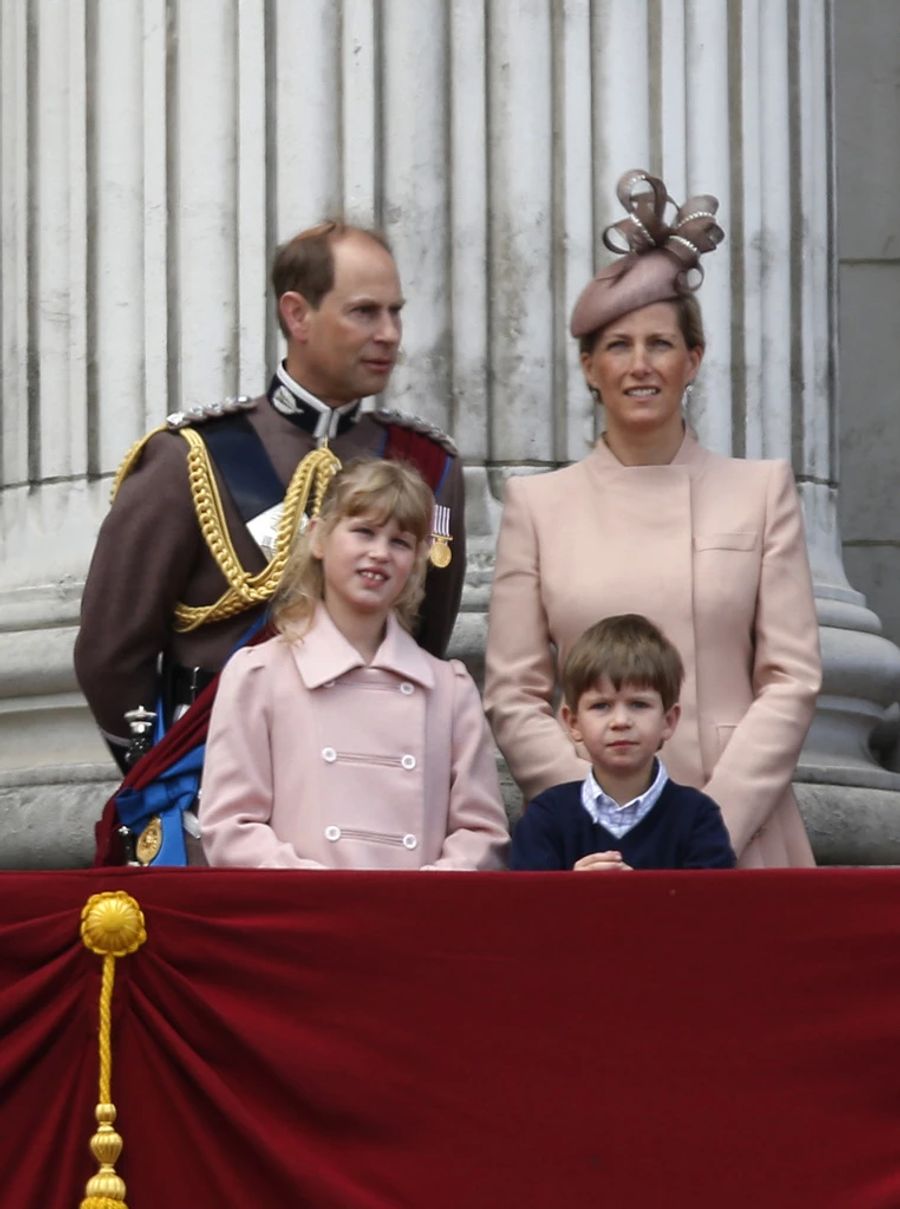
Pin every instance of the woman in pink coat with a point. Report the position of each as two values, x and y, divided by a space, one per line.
341 744
710 548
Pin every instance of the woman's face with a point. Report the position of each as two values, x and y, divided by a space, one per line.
641 365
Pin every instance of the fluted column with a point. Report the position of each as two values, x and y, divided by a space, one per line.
736 101
785 223
47 421
154 153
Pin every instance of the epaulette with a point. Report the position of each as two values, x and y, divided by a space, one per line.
180 421
416 424
200 413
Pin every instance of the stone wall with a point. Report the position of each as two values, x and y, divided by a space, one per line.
867 62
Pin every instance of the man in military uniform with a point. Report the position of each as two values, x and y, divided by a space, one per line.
178 575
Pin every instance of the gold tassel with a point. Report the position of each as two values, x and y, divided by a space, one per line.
112 925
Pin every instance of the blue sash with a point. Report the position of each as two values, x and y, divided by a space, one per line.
173 791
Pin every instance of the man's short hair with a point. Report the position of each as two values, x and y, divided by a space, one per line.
628 649
305 263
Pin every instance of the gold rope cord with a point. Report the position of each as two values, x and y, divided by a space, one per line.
311 478
112 925
131 459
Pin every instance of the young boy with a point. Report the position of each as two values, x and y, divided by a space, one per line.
621 684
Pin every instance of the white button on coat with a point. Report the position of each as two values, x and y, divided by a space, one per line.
406 688
332 833
410 842
329 755
408 762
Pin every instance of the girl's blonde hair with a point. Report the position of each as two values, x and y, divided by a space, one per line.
371 487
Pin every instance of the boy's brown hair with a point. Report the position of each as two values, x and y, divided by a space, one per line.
628 649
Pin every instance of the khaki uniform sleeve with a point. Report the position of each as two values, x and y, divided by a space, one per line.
147 549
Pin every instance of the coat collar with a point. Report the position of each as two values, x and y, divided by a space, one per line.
690 454
324 654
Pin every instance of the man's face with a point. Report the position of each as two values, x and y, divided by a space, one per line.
346 348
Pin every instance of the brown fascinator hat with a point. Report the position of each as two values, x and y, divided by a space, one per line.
659 260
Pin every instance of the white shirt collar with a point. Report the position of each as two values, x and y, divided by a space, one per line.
329 417
606 811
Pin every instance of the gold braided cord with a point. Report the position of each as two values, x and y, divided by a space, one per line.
105 1044
132 457
310 479
112 925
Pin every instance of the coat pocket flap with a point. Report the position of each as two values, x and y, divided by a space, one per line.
724 541
724 731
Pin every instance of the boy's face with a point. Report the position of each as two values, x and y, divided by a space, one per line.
622 728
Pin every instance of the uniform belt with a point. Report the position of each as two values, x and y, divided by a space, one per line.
187 683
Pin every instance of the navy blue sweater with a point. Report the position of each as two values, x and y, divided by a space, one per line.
684 830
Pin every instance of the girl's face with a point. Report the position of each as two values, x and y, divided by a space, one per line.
641 365
365 563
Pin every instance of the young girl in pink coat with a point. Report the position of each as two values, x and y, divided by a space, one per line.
341 744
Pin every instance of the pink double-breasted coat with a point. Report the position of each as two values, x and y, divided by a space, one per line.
315 760
712 550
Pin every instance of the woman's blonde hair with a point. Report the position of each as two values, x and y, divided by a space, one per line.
372 487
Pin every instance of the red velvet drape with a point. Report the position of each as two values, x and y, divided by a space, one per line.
458 1041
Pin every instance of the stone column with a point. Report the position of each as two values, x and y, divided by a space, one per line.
784 256
51 444
739 103
851 803
154 153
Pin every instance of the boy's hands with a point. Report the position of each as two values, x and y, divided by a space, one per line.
599 862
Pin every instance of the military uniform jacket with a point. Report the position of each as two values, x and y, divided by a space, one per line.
150 555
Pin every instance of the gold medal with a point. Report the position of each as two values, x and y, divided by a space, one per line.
149 841
440 554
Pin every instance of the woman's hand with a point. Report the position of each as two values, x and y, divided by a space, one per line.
599 862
